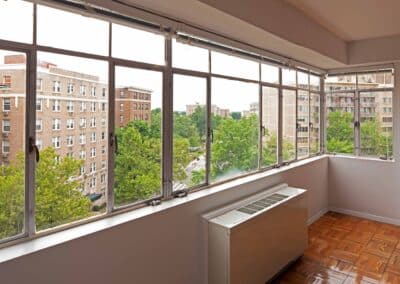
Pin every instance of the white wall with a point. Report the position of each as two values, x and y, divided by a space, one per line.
167 247
364 187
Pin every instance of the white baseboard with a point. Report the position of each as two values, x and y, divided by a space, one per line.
316 216
366 215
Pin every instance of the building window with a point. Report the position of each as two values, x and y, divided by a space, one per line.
56 124
39 84
93 122
82 122
6 104
93 137
103 164
93 106
70 140
70 88
6 147
56 142
121 119
70 106
103 122
82 154
82 90
102 178
93 91
93 152
39 125
92 167
121 107
7 81
82 106
56 105
103 149
6 125
103 92
82 139
56 86
92 182
103 106
82 170
39 144
103 135
38 105
70 123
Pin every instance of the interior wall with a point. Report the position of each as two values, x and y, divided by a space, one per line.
365 187
166 247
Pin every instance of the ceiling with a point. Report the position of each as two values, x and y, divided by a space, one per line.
353 20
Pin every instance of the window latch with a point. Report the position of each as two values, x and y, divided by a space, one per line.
33 147
180 193
154 202
356 124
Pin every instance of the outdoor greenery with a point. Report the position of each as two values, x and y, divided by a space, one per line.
138 163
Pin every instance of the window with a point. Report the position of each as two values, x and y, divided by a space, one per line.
56 105
103 135
289 77
102 178
340 120
82 106
103 107
82 122
70 140
39 144
6 104
288 125
56 86
82 90
340 83
224 64
302 80
302 122
39 125
82 139
121 107
93 106
6 125
93 122
93 137
103 164
38 105
17 16
234 149
82 154
70 106
70 123
144 147
270 110
103 149
56 142
375 80
7 81
315 83
92 167
138 45
189 147
93 152
93 91
376 134
315 124
103 122
85 34
56 124
92 182
186 56
70 88
269 74
6 147
39 84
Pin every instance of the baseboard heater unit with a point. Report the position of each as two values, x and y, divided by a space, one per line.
251 240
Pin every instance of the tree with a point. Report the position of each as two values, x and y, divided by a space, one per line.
339 133
57 199
236 115
199 118
235 146
185 128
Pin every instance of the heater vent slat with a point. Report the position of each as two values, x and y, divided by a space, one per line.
262 204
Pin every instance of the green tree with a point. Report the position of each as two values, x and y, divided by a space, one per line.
236 115
199 118
57 199
339 133
235 146
185 128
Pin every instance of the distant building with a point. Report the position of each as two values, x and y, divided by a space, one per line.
223 112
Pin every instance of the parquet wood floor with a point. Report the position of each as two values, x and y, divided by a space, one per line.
345 249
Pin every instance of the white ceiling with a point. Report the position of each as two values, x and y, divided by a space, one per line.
354 19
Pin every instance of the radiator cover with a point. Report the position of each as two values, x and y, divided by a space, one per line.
251 248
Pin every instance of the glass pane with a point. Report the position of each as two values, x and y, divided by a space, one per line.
315 136
340 83
190 118
12 159
138 125
340 118
269 74
270 110
289 77
72 31
302 79
375 80
134 44
302 124
71 175
288 125
376 124
189 57
315 83
16 20
234 119
234 66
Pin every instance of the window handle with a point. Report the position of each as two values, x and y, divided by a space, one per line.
212 135
356 124
114 142
311 125
263 130
33 147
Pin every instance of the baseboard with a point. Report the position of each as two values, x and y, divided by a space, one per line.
366 215
316 216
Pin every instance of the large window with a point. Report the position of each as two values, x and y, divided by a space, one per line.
235 120
136 116
12 156
190 124
138 160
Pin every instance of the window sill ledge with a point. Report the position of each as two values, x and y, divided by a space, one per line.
25 246
374 159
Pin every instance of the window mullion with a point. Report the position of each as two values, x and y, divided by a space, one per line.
208 121
260 122
357 123
280 119
167 123
322 113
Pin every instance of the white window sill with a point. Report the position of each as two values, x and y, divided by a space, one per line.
360 158
27 246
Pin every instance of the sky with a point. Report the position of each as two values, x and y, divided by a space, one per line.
66 30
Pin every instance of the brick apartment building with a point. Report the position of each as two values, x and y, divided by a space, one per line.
215 110
71 117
